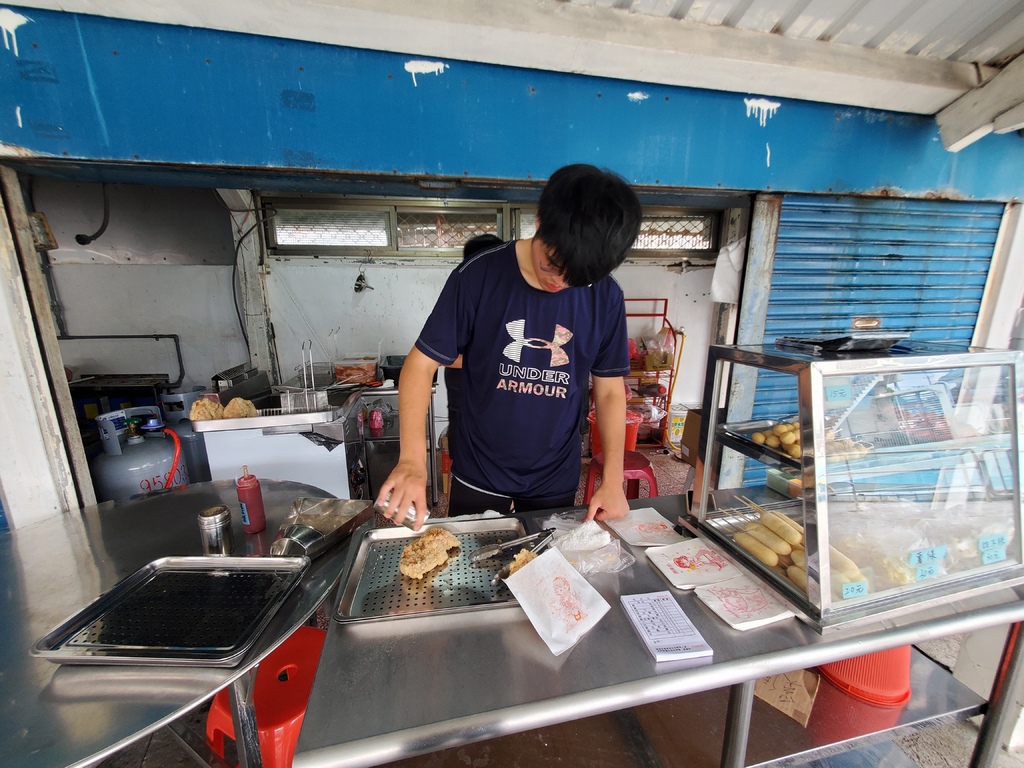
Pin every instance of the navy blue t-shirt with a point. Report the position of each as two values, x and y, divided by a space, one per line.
527 356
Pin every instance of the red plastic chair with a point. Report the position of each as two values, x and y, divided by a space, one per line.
635 467
283 682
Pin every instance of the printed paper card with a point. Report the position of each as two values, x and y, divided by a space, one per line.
692 563
743 603
559 602
665 629
644 527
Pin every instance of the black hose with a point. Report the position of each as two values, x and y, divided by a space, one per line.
86 239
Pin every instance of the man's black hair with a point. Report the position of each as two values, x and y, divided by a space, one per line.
477 243
590 218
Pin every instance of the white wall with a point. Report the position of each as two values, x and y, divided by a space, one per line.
309 299
164 266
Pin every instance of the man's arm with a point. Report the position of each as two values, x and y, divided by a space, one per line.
407 482
610 401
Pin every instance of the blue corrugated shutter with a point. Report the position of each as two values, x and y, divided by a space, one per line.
919 265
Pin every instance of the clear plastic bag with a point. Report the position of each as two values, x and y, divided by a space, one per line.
588 546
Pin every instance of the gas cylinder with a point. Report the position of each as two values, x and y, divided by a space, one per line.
139 455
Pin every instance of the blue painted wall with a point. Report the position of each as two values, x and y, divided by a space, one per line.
90 88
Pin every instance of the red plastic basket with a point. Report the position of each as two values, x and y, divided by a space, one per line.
881 678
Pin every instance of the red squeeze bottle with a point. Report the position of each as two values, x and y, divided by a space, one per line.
250 497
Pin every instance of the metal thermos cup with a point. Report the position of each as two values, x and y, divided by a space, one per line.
215 530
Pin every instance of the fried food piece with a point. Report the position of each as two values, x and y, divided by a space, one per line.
773 541
522 557
798 576
240 408
757 549
206 410
426 552
772 521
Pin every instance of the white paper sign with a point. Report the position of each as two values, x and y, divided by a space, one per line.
559 602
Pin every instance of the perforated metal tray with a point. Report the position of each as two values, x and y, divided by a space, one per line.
204 611
374 588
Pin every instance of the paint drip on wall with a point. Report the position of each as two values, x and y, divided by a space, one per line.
9 23
416 67
637 96
762 109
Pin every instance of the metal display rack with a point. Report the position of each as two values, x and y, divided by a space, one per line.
654 385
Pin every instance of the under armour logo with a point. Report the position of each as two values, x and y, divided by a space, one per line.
514 351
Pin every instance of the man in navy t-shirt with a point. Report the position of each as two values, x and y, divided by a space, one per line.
534 320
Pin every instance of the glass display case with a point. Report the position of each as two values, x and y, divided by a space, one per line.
866 484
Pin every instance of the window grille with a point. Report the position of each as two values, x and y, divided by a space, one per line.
332 228
442 229
677 233
339 227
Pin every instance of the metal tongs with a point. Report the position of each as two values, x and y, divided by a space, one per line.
486 553
543 538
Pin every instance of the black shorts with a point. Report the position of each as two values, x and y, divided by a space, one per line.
465 500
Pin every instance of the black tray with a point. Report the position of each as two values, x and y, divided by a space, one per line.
204 611
860 341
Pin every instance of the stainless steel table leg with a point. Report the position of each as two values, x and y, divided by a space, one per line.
243 714
1001 702
737 725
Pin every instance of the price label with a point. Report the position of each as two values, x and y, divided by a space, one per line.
855 589
993 555
838 393
921 557
995 541
929 571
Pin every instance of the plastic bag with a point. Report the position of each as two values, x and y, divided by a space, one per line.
588 546
648 412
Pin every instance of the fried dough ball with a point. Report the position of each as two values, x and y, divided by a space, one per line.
772 441
758 437
206 410
522 557
240 408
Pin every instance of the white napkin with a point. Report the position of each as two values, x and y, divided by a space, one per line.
644 527
559 602
692 563
743 603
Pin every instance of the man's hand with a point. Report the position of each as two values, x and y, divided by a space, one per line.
407 482
608 501
407 486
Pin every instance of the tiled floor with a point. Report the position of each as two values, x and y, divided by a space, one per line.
946 746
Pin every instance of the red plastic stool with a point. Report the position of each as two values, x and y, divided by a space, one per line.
283 682
635 467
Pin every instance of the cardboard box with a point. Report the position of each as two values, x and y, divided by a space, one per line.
688 449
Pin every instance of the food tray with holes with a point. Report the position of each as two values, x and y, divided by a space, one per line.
374 589
200 611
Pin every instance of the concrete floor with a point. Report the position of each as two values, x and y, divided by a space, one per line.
947 746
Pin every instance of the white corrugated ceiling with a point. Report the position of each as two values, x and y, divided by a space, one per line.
987 32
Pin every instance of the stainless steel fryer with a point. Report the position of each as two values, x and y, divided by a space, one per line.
374 589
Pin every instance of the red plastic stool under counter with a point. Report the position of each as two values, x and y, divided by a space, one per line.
635 467
283 682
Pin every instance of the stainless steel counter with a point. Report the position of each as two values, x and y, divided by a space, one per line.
74 715
389 690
